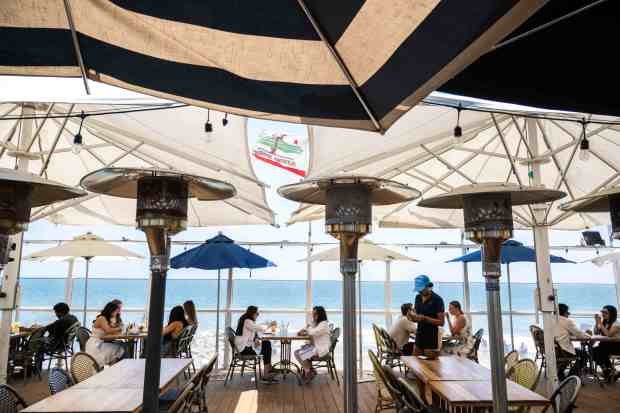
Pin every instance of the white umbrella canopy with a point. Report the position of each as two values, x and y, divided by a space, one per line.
367 251
419 150
172 137
88 246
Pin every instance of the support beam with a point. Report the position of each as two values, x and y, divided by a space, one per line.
56 138
387 298
227 314
69 282
309 276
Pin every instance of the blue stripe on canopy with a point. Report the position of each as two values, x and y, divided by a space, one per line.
217 253
512 251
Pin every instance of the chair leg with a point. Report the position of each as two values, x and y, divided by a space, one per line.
335 372
231 370
242 368
256 367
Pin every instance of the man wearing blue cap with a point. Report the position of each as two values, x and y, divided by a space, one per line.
429 308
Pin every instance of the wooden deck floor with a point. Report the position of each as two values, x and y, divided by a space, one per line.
322 395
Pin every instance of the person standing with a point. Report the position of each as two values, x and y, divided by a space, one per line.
403 328
430 315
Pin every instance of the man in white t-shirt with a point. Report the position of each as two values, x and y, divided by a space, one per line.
403 328
567 329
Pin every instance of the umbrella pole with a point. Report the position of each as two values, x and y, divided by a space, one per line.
512 333
86 290
359 320
217 317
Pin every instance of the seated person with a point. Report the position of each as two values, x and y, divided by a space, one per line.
247 341
103 351
567 329
58 329
190 313
403 328
607 325
462 341
172 331
319 345
429 315
118 321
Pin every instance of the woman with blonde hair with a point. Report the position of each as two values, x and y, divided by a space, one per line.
190 313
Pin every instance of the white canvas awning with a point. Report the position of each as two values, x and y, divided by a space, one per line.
367 251
171 137
420 150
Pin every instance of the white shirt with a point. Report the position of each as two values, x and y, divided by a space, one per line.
401 330
566 329
250 328
320 337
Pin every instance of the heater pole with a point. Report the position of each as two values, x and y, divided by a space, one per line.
349 267
159 270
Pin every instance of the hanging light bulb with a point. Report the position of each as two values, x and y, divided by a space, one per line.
584 145
78 142
458 131
208 127
225 120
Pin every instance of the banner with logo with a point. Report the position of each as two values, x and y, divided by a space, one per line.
281 150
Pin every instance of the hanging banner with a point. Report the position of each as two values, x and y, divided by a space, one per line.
281 150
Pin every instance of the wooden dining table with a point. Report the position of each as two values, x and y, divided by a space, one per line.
116 389
134 341
286 365
446 368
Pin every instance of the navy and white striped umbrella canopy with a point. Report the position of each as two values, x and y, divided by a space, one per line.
346 63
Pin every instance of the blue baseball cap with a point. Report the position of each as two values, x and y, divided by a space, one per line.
421 282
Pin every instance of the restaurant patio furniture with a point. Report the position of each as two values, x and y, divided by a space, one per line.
29 357
327 361
83 334
511 359
83 366
385 401
184 344
58 380
473 354
182 403
525 372
250 361
286 365
10 400
62 349
563 398
412 398
388 351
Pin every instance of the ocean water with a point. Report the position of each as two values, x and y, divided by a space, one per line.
277 295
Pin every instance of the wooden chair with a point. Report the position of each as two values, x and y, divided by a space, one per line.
182 403
511 359
525 372
184 344
538 336
327 361
390 353
58 380
563 398
243 361
83 334
384 396
473 354
83 366
412 399
29 358
10 400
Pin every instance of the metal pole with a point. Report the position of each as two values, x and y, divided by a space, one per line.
217 316
466 293
387 288
359 321
512 335
69 282
228 315
491 270
309 276
159 270
348 268
86 290
616 267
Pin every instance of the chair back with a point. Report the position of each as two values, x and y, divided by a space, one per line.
71 333
36 341
378 339
184 340
511 359
182 403
83 366
389 344
83 334
411 397
539 339
524 372
473 353
230 336
334 336
10 400
380 378
58 380
565 395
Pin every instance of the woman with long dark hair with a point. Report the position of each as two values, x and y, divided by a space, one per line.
320 341
172 330
607 325
462 341
105 352
248 342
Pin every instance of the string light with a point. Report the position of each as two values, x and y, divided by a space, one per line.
208 126
458 131
225 120
584 145
78 142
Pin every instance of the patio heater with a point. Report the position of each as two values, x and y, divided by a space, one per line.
487 212
603 201
161 211
348 204
19 192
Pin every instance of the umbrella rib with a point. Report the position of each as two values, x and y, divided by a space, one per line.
76 46
53 147
39 127
345 71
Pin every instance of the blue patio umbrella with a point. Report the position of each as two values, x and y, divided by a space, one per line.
217 253
512 251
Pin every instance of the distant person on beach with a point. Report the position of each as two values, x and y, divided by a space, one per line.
247 341
102 351
172 331
567 330
462 341
607 325
190 313
403 328
320 340
429 314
